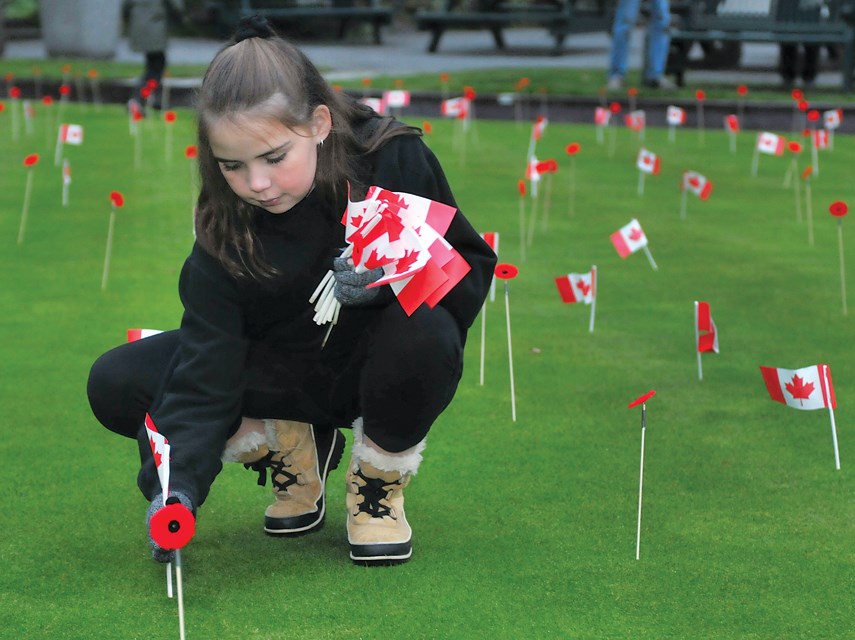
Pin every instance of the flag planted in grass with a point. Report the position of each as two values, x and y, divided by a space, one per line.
675 117
29 162
807 389
579 287
629 239
648 163
693 182
768 144
117 201
706 335
839 209
642 400
507 271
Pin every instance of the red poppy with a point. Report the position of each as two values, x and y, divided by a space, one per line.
742 90
803 105
47 101
366 82
64 89
701 95
838 209
469 93
117 199
813 115
15 92
191 151
521 187
522 83
172 526
506 271
66 68
443 77
92 73
170 116
614 107
573 148
399 84
797 94
632 92
151 84
2 107
427 127
806 173
31 159
794 147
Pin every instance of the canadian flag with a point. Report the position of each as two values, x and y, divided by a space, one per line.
71 133
455 108
636 120
648 162
602 116
160 451
139 334
675 116
539 127
378 104
832 118
629 238
66 171
697 184
403 234
807 388
705 331
771 143
731 123
492 240
819 137
577 287
397 98
532 170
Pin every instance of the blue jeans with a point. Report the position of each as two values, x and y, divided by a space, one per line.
658 37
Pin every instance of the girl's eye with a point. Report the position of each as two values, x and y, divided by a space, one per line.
276 160
229 166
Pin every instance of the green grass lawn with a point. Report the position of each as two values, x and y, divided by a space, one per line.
523 529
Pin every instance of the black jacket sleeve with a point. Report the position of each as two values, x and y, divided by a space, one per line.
200 401
407 165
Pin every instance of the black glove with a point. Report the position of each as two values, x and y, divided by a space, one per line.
175 497
350 287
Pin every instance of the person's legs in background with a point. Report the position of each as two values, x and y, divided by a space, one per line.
626 15
658 40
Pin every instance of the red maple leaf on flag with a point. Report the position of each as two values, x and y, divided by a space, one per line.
636 234
157 455
583 287
694 182
798 389
407 261
356 221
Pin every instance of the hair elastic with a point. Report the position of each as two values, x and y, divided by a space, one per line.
254 26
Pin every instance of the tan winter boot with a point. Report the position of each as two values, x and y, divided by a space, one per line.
377 527
248 445
300 459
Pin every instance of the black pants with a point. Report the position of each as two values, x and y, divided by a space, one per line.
399 377
790 67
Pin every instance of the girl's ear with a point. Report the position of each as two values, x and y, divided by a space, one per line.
321 122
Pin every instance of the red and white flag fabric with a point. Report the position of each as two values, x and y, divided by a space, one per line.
832 118
160 450
492 240
139 334
629 239
602 116
576 287
636 120
532 170
648 162
705 330
807 388
71 133
66 171
675 116
697 184
396 98
378 104
771 144
820 138
731 123
455 108
539 127
403 234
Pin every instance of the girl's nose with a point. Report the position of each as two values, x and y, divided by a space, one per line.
259 181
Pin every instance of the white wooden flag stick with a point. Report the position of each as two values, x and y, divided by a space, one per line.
643 402
831 416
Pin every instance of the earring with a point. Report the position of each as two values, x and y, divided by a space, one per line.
321 143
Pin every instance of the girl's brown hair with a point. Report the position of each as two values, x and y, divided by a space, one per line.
266 76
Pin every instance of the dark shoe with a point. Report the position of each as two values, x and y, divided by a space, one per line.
660 83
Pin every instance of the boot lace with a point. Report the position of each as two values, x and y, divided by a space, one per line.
278 469
374 492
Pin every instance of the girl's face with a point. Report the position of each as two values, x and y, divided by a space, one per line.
267 164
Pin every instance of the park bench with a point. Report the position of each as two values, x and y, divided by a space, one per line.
559 17
777 21
226 13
